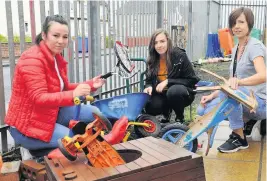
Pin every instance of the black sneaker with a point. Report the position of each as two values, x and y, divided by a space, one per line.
233 144
163 120
249 127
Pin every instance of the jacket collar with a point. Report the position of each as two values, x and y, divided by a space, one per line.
48 55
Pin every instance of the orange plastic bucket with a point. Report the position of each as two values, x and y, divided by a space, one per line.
226 40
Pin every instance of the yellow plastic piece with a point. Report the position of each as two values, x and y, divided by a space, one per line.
77 145
126 136
90 98
138 124
67 138
77 101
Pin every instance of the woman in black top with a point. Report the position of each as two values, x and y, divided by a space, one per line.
170 77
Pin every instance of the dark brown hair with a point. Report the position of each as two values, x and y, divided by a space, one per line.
236 13
154 57
47 23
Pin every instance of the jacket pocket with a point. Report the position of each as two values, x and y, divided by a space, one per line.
175 70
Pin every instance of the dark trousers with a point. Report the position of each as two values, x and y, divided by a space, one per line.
176 97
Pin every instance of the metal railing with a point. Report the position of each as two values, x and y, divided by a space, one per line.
95 25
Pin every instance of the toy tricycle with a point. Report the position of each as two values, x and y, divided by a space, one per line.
98 152
87 137
209 122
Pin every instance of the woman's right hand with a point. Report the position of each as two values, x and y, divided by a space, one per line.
148 90
81 90
205 99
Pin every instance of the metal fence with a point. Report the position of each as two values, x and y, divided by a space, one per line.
95 25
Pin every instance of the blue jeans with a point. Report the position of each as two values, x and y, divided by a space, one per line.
61 128
237 116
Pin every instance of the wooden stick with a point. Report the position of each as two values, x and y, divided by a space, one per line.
208 88
215 75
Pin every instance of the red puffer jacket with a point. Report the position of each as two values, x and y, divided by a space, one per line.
36 95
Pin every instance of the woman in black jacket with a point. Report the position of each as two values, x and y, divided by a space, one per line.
170 77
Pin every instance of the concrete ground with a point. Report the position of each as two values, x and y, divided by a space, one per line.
244 165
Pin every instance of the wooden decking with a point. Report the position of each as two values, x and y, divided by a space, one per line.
160 160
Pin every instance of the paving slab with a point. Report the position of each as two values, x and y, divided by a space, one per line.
230 170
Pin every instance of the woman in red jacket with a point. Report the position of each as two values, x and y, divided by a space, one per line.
41 104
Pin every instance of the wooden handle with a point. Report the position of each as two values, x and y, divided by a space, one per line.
208 88
215 75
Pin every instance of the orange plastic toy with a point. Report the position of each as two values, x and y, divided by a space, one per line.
98 151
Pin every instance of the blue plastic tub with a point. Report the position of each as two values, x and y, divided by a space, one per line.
129 105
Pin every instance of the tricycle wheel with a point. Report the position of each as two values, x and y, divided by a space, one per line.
173 132
104 120
65 152
152 130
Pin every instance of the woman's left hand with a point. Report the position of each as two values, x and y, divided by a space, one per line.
160 87
98 81
233 82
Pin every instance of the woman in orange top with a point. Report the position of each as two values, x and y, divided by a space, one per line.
170 77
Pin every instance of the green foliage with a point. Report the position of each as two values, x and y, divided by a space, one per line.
187 113
28 39
4 39
109 42
16 39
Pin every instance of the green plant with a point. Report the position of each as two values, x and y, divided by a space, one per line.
109 42
28 39
3 39
187 113
16 39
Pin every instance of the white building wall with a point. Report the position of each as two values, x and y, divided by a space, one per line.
26 10
38 23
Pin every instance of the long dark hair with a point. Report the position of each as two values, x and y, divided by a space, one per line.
154 57
46 25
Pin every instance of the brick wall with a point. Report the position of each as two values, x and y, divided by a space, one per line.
5 53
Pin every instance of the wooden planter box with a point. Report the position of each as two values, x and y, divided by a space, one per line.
160 160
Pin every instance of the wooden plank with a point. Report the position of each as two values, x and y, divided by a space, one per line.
185 175
97 173
54 169
150 159
199 179
118 147
164 171
10 176
122 168
148 150
170 146
112 172
158 148
69 166
208 88
134 165
165 150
